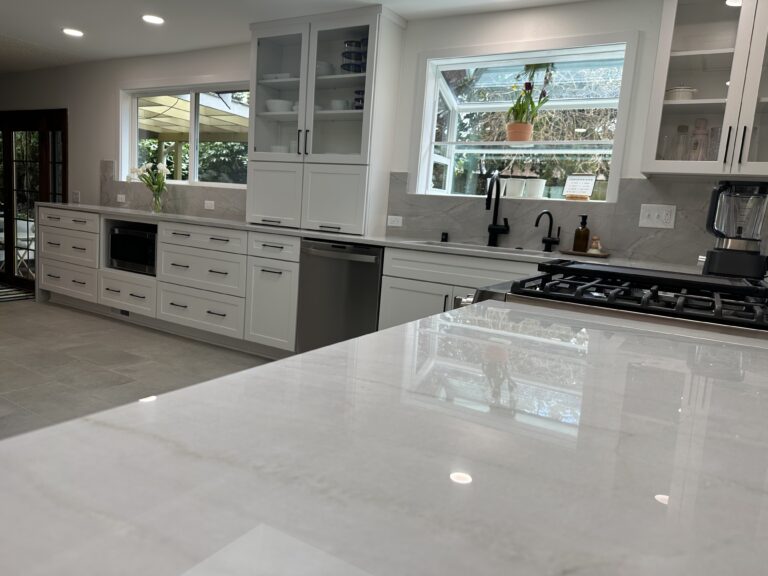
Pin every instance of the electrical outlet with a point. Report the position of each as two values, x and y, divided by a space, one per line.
209 205
395 221
657 215
121 198
76 196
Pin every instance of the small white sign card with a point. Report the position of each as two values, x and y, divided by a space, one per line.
579 185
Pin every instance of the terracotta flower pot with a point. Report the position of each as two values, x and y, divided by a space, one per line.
517 131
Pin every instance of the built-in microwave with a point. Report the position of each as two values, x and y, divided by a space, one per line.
132 247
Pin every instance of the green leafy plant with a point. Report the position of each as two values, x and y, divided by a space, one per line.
525 107
153 178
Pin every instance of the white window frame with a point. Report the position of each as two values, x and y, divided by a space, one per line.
427 92
129 122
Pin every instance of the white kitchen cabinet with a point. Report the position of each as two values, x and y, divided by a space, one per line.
313 109
73 246
334 198
201 309
404 300
205 269
68 279
272 302
719 52
127 291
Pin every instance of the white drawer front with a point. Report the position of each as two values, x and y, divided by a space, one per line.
221 239
68 279
127 291
204 269
70 219
200 309
274 246
72 246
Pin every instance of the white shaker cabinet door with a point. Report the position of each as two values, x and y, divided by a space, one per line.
404 300
334 198
272 300
274 193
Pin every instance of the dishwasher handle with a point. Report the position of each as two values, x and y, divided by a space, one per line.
342 255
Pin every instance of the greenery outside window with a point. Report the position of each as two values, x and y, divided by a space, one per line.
202 136
577 131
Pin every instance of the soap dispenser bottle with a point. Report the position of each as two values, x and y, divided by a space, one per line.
581 236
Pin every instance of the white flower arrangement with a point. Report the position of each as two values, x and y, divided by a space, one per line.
154 177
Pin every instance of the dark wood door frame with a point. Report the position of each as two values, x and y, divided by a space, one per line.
45 123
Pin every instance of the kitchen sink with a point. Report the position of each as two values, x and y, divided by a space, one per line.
483 248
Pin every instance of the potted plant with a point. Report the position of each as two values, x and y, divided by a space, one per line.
522 114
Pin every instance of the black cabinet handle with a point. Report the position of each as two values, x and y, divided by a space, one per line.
217 239
741 148
78 282
184 234
219 272
298 143
53 218
275 246
727 144
179 265
268 271
76 221
53 244
54 276
184 306
212 313
306 148
112 290
330 227
78 248
271 220
140 297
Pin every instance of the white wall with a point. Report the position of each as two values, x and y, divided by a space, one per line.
91 94
535 24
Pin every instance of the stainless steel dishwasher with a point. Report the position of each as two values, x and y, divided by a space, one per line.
339 287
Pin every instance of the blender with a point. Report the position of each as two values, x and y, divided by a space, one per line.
736 215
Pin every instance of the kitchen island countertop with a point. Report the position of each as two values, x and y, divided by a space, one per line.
596 444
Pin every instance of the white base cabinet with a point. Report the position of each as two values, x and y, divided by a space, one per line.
274 193
334 198
69 279
201 309
404 300
126 291
272 298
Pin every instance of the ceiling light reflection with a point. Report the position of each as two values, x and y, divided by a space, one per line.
148 399
72 32
151 19
461 478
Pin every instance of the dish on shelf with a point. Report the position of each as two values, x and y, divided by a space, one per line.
324 68
353 67
278 105
277 76
680 93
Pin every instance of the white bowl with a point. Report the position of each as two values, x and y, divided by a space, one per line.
279 105
278 148
282 75
339 104
680 93
324 68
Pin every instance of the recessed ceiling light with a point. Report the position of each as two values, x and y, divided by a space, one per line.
734 3
150 19
72 32
461 478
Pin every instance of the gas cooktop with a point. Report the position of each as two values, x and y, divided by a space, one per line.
728 301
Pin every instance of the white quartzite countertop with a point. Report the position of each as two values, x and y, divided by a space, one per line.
597 445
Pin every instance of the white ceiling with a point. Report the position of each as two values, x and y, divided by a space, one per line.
31 38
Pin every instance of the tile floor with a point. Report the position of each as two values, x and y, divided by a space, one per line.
57 364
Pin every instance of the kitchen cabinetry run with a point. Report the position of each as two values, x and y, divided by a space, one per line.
418 284
313 112
709 107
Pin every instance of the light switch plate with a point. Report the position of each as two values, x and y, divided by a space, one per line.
76 196
209 205
121 198
395 221
657 215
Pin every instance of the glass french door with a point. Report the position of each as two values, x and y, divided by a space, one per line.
33 168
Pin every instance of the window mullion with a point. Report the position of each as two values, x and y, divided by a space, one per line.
194 134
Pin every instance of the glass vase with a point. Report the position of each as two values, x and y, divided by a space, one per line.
157 202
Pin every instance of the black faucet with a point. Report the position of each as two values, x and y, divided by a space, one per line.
549 240
494 228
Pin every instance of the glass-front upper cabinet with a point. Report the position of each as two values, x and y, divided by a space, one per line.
278 92
704 47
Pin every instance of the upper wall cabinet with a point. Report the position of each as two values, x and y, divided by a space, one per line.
710 90
312 89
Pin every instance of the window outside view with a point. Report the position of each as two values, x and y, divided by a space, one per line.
221 135
570 96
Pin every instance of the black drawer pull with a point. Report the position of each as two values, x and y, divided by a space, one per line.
268 271
218 239
78 282
112 290
79 221
54 276
219 272
271 220
179 305
219 314
179 265
137 296
53 218
184 234
330 227
79 248
275 246
53 244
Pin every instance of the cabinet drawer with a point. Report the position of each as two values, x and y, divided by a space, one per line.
274 246
70 219
273 290
204 269
68 279
127 291
200 309
221 239
72 246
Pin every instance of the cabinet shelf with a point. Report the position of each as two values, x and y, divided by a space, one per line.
550 148
341 81
701 60
696 106
339 115
280 116
281 83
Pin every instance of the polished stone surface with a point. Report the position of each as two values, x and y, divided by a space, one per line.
596 444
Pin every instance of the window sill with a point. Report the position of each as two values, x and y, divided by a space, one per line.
183 183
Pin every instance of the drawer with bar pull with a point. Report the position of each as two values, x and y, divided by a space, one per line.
70 219
200 309
72 246
203 269
276 246
69 279
126 291
208 237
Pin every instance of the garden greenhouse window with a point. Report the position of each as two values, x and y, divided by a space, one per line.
201 135
573 96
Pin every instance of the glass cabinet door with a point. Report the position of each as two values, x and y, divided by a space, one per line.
339 92
278 95
710 44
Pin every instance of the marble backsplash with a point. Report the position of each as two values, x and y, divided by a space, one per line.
229 203
466 220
